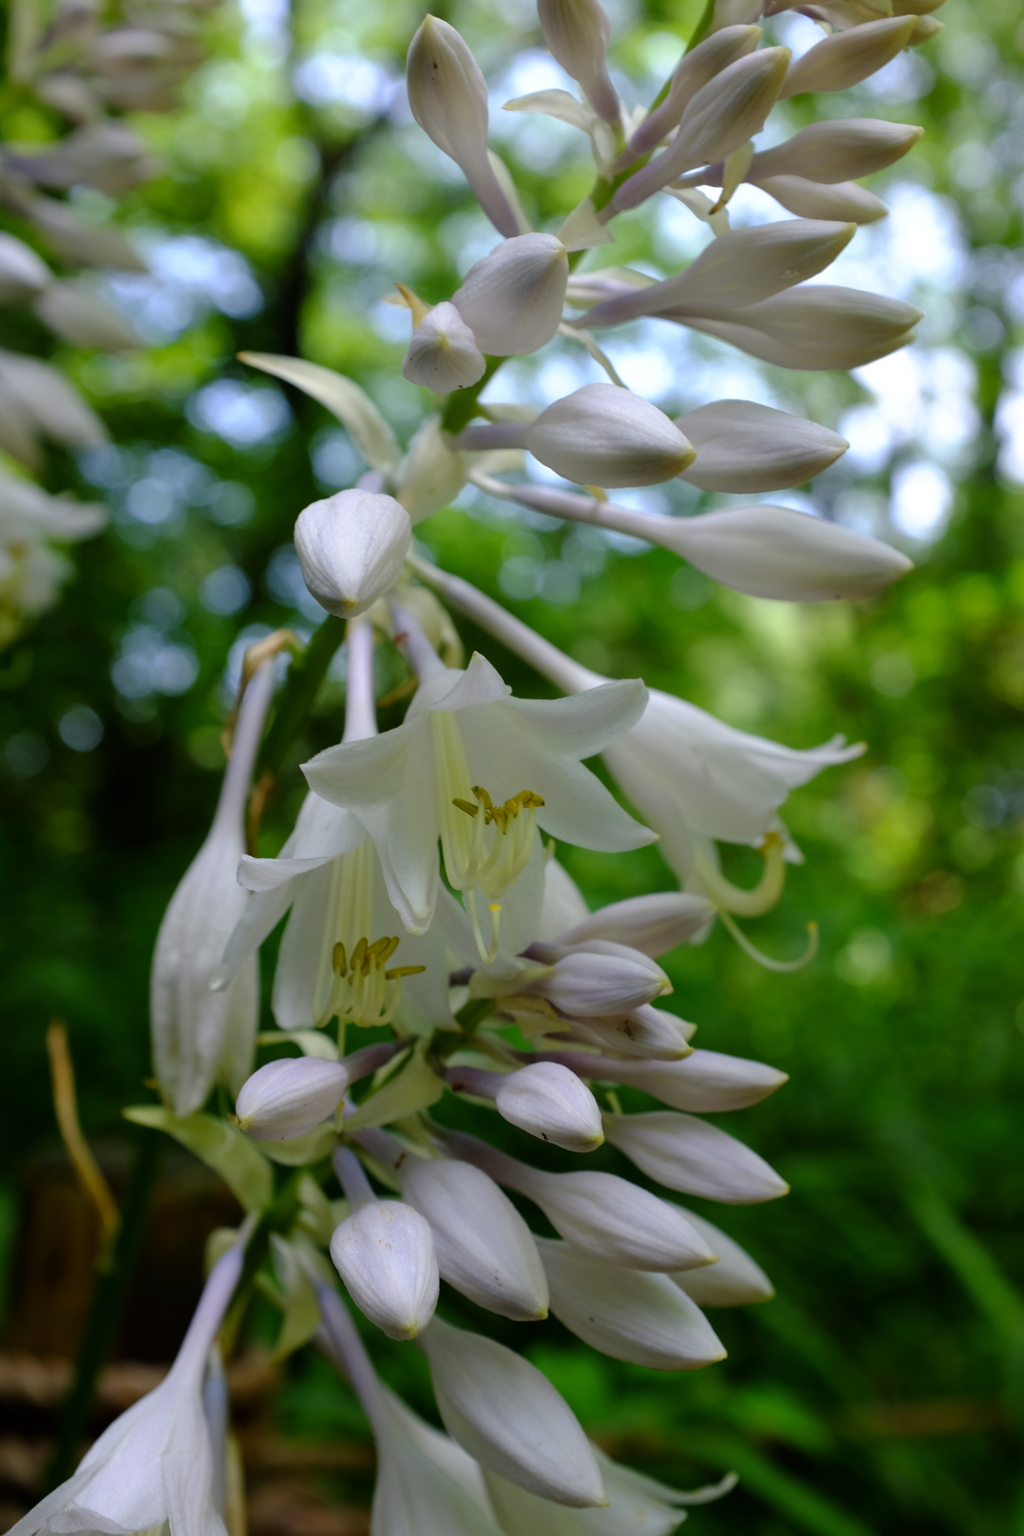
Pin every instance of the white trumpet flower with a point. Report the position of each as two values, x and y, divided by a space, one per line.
153 1467
201 1036
512 299
444 353
448 98
290 1097
351 549
626 1313
687 1154
384 1252
604 435
479 770
509 1417
607 1217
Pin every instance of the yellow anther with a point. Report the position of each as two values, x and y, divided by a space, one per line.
403 970
339 962
465 805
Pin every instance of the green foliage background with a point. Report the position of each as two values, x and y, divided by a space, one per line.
883 1391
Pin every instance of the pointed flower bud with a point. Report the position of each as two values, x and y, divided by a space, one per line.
290 1097
505 1413
790 556
599 1213
604 435
443 354
841 150
597 978
351 548
694 70
448 97
847 58
841 200
738 269
730 109
576 32
652 924
512 299
814 326
385 1255
549 1101
644 1032
628 1314
744 447
735 1281
705 1082
484 1247
687 1154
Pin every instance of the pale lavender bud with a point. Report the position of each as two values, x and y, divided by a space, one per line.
599 1213
604 435
735 1281
512 298
694 70
817 326
448 98
841 150
443 354
847 58
549 1101
598 978
288 1098
351 548
687 1154
643 1032
385 1255
576 32
841 200
484 1247
505 1413
628 1314
652 924
744 447
790 556
705 1082
730 109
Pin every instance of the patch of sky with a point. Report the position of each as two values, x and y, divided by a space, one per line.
150 661
189 275
336 461
242 415
225 591
364 87
922 499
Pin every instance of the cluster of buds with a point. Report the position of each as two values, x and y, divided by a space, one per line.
421 889
82 70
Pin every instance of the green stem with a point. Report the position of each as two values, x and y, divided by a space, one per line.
462 403
104 1308
305 676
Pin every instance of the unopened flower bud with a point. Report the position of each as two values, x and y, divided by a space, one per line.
644 1032
484 1247
549 1101
576 32
599 1213
740 268
687 1154
705 1082
628 1314
694 70
813 326
598 978
288 1098
432 472
385 1255
743 447
652 924
604 435
730 109
22 272
443 354
840 150
790 556
735 1281
844 201
509 1417
448 98
351 548
512 298
847 58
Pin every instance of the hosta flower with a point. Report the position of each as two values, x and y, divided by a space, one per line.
512 299
384 1252
351 549
443 354
480 771
154 1466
